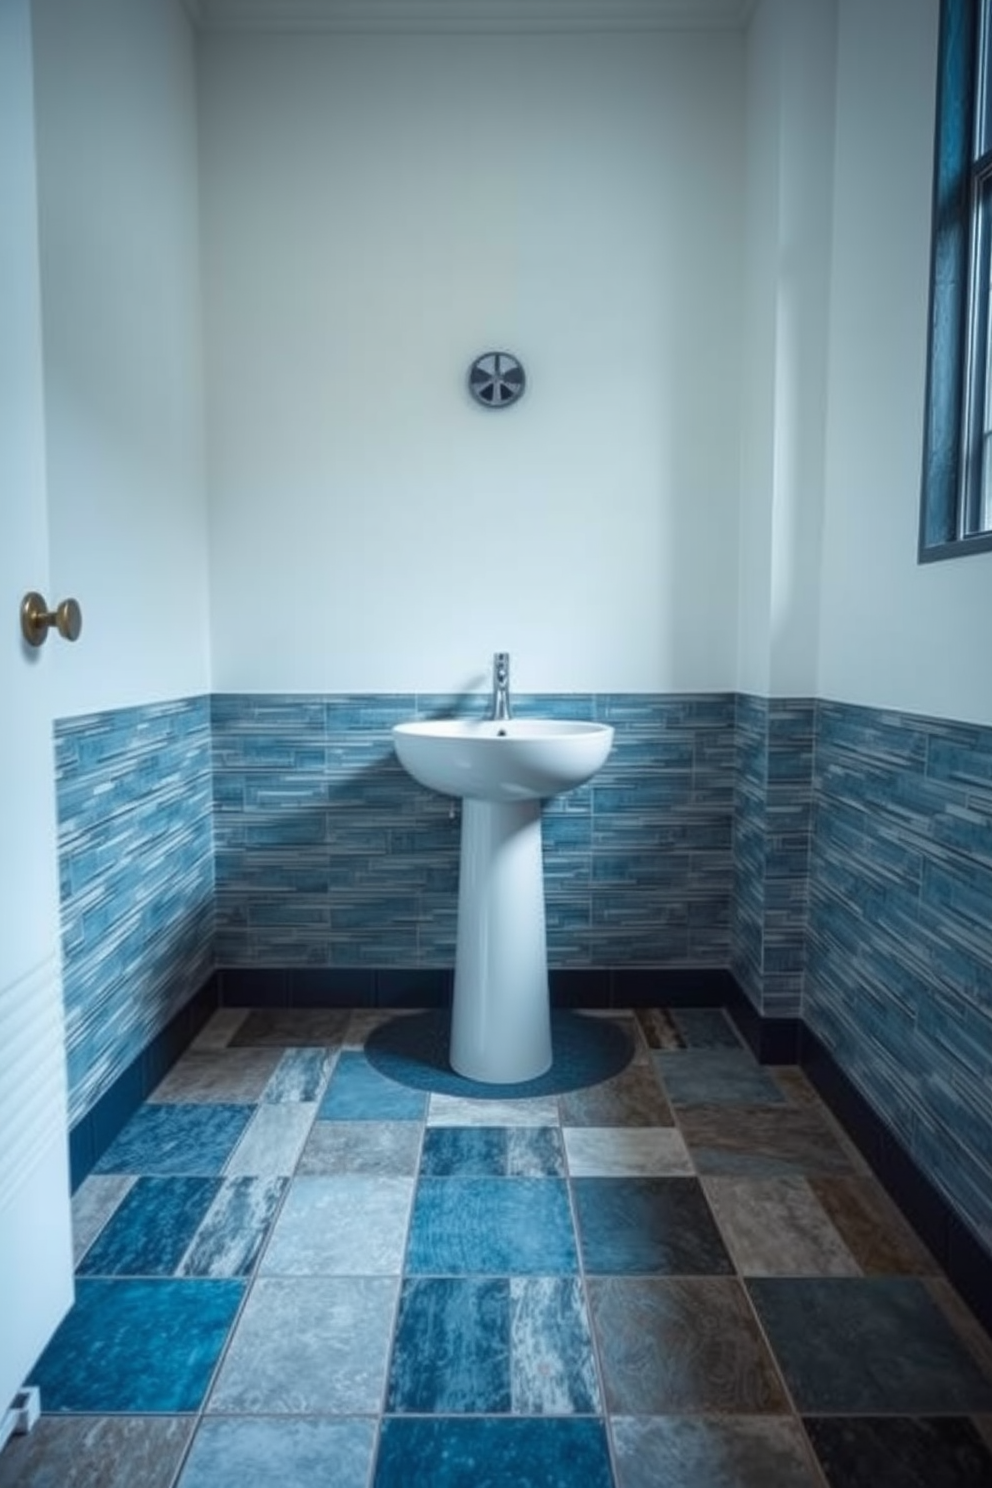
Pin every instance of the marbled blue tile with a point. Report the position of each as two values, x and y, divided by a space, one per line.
451 1352
300 1075
137 1345
491 1226
464 1152
552 1367
449 1453
714 1076
534 1152
297 1453
177 1139
647 1226
357 1092
869 1345
150 1231
234 1229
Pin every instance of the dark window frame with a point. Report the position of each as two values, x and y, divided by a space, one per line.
962 228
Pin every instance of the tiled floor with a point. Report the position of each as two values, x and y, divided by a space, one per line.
293 1271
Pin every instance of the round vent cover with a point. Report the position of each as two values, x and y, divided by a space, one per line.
496 379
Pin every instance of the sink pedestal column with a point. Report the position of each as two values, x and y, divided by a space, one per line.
501 1019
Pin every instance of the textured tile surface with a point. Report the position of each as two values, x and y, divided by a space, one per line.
761 1141
705 1076
272 1141
357 1092
900 1452
681 1346
733 1452
454 1453
391 1148
491 1226
647 1226
151 1230
777 1227
298 1453
618 1152
452 1348
82 1451
234 1076
633 1098
341 1225
177 1139
867 1345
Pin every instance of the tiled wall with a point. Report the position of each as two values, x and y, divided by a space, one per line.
772 814
899 977
328 854
136 875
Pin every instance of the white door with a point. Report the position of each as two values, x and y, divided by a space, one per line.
35 1231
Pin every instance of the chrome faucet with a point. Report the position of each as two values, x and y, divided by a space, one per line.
501 685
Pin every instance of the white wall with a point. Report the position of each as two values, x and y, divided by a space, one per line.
791 49
892 633
377 211
118 208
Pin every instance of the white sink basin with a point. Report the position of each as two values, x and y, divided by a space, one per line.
513 759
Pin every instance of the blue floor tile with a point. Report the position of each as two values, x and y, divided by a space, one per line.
357 1092
149 1233
648 1226
299 1076
177 1139
133 1346
234 1229
491 1226
516 1453
492 1152
712 1076
867 1345
452 1347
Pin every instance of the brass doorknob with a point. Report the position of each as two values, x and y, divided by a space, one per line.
37 619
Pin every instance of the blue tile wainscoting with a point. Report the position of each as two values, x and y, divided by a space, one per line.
822 868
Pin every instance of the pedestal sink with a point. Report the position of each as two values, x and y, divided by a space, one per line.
502 769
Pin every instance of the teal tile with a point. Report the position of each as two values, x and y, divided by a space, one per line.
150 1231
491 1226
177 1139
451 1352
357 1092
450 1452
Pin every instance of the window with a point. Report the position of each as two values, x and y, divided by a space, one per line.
956 509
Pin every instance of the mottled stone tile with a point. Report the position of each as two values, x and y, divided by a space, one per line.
515 1451
390 1148
153 1226
647 1226
234 1228
685 1345
777 1227
534 1152
230 1076
93 1203
552 1367
706 1028
464 1152
867 1345
300 1075
132 1346
761 1141
457 1110
358 1092
632 1098
691 1452
875 1232
96 1452
491 1226
272 1143
297 1453
626 1152
451 1352
658 1028
309 1346
177 1140
219 1029
715 1076
900 1452
342 1225
294 1028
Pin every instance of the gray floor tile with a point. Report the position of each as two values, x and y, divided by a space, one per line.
232 1075
93 1203
340 1225
291 1453
778 1227
625 1152
691 1452
633 1098
96 1452
309 1346
272 1142
390 1148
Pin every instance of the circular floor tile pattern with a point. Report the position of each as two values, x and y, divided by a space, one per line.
413 1050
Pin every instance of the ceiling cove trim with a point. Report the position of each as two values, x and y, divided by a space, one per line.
483 17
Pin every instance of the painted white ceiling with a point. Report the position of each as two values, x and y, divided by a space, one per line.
482 16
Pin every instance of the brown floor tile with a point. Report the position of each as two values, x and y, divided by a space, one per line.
225 1075
761 1141
777 1227
657 1029
96 1452
681 1345
632 1098
874 1231
295 1028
